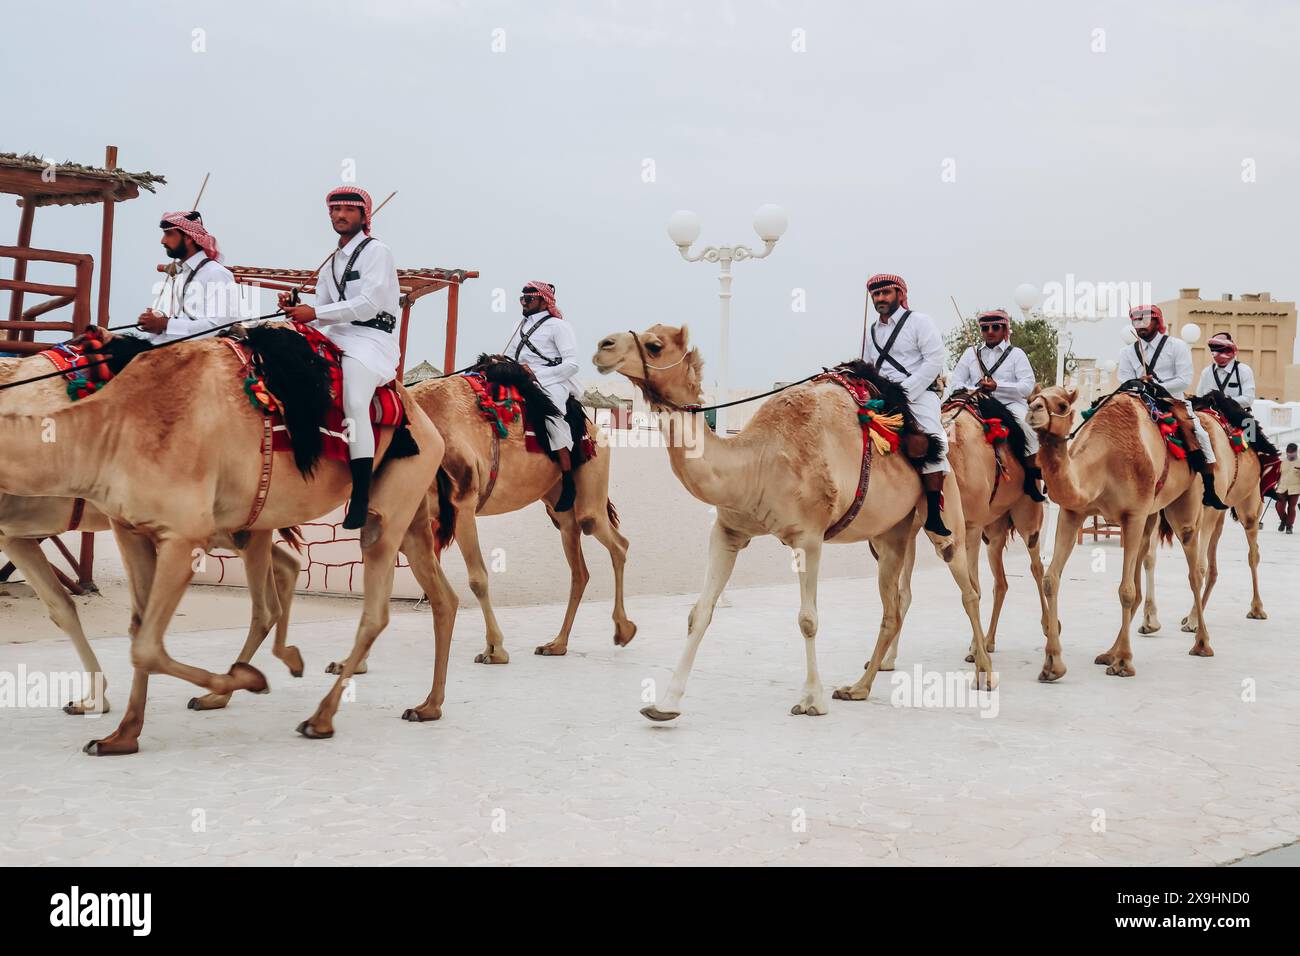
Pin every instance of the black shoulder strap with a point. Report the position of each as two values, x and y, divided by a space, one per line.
998 364
882 354
186 284
1151 365
525 341
351 262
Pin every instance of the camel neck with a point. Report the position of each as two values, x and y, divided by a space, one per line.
1059 471
704 463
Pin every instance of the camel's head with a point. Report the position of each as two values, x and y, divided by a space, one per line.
660 361
1051 410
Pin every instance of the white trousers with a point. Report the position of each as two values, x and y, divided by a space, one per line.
926 412
1202 436
557 427
1021 414
359 384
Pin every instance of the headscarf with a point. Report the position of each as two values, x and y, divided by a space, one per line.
352 196
883 280
999 314
191 225
1222 349
1142 311
547 292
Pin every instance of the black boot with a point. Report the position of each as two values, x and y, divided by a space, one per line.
1196 458
933 519
356 516
568 491
1032 477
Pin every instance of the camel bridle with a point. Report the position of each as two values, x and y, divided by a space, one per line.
652 393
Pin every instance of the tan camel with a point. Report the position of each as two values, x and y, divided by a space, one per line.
1241 474
791 473
171 453
1117 466
25 521
993 505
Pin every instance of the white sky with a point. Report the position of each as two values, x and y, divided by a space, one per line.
1115 166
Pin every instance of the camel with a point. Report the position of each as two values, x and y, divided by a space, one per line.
792 472
994 505
1118 467
171 454
25 521
1243 499
523 477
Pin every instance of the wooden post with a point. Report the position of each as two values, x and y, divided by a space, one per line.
20 265
106 244
453 307
86 566
406 317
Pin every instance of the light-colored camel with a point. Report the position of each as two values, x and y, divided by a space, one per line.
171 453
523 477
792 472
1117 466
993 507
1239 476
25 521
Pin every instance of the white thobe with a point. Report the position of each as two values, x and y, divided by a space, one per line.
1173 370
199 300
1015 379
919 350
1238 382
554 339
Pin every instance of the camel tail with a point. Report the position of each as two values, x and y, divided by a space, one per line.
612 512
445 532
1166 530
292 537
1235 517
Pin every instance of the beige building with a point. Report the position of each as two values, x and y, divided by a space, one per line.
1263 329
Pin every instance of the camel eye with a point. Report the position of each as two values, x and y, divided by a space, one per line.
654 347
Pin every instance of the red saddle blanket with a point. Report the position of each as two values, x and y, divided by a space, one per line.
385 408
502 404
85 374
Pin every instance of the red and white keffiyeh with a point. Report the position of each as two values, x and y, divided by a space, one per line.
352 196
993 316
547 292
195 230
1222 348
1140 312
883 280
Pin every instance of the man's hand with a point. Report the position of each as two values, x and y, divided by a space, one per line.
152 321
988 385
299 313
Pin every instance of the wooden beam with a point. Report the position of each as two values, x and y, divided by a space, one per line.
453 308
20 265
106 244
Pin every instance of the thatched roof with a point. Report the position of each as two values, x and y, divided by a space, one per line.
67 183
421 373
594 398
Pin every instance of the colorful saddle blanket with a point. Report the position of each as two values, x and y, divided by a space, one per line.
1160 415
501 404
386 409
71 358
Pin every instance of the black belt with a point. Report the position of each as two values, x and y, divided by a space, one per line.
384 322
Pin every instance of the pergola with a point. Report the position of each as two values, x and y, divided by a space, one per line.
414 284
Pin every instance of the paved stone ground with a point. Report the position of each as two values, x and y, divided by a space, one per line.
547 760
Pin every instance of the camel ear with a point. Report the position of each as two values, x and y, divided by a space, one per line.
1071 395
683 336
1037 388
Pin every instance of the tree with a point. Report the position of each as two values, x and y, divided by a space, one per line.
1037 336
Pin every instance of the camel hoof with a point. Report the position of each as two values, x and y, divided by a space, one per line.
336 667
293 660
1103 658
986 681
1201 650
1189 628
494 657
1149 628
75 709
1121 669
623 636
416 715
846 693
249 678
209 702
550 650
106 748
812 710
1259 615
659 716
311 733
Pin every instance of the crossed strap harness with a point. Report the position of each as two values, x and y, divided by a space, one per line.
1150 367
526 341
384 321
186 285
988 372
1222 384
882 353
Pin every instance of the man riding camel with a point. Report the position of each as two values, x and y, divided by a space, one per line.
1225 374
545 345
1158 357
207 293
905 348
356 308
1002 370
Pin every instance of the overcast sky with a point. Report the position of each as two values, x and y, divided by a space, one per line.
968 147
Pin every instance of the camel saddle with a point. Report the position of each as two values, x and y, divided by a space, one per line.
1001 430
505 391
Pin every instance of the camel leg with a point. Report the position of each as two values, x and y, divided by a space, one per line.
1209 539
996 550
1068 524
965 573
1249 524
603 530
1119 659
256 555
418 548
812 700
27 557
904 599
724 546
1027 518
571 538
285 568
1185 516
467 538
893 548
1150 622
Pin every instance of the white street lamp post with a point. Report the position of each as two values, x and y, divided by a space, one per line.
683 229
1028 297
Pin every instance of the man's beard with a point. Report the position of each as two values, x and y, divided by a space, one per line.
176 253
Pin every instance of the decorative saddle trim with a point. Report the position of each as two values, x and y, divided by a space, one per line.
70 358
880 432
995 433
